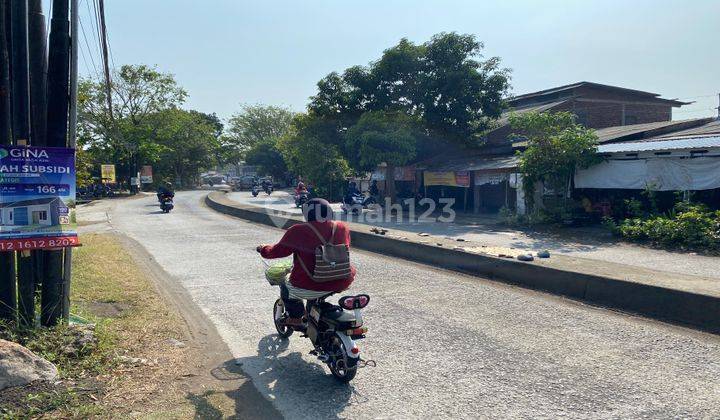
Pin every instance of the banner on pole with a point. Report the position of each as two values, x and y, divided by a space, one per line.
108 173
37 198
146 176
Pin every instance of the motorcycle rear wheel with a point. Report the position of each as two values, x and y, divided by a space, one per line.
278 315
341 365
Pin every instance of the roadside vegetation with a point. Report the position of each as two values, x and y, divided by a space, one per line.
133 359
687 226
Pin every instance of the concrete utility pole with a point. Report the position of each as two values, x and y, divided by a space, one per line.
8 287
58 95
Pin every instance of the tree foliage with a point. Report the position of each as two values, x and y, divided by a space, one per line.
444 83
311 150
556 147
147 127
256 124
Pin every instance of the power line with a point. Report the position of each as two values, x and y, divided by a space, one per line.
87 44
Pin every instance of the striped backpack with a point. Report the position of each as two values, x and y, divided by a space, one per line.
332 262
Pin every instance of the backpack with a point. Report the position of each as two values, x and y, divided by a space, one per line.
332 262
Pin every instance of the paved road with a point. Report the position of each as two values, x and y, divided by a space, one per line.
592 244
446 345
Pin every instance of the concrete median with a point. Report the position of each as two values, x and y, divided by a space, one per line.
687 300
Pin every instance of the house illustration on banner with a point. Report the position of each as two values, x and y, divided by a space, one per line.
42 211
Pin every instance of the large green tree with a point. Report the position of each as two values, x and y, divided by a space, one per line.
138 93
381 137
311 149
444 85
256 124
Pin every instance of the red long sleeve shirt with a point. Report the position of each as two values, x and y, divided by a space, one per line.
301 241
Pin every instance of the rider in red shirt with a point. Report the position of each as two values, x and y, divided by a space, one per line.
300 242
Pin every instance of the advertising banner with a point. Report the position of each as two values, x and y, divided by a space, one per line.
146 174
448 179
107 172
37 198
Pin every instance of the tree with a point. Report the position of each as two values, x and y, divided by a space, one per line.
184 144
138 92
383 137
444 83
268 158
256 124
556 147
311 150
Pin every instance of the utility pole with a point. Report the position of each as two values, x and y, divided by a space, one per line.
37 47
57 122
19 66
72 141
103 34
8 304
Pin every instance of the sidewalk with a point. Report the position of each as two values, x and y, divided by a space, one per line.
591 243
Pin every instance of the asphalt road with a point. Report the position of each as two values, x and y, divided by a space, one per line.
446 345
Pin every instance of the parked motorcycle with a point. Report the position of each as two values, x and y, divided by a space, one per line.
332 329
268 189
355 203
166 203
301 198
255 190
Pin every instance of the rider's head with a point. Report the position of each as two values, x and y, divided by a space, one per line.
317 209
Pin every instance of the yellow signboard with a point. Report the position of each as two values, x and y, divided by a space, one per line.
108 173
448 179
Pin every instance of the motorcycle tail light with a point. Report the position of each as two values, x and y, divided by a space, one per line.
354 302
355 350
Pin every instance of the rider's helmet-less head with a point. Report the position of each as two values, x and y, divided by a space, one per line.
317 209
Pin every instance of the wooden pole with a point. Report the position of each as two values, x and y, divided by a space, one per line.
58 103
8 285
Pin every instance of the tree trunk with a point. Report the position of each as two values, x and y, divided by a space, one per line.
390 182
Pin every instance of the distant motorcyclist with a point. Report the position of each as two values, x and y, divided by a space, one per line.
165 190
352 192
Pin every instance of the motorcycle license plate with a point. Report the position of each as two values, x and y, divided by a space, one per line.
315 314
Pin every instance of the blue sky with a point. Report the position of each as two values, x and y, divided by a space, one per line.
230 52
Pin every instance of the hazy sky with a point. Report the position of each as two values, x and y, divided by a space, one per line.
227 52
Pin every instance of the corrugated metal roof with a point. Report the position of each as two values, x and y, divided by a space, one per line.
662 144
618 132
649 95
474 163
712 127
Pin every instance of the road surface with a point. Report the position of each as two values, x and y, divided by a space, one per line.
446 345
593 244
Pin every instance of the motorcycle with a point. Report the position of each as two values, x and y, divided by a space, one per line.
332 329
268 189
166 203
255 190
356 202
301 198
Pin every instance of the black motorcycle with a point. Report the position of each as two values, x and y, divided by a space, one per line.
166 203
268 188
301 198
255 190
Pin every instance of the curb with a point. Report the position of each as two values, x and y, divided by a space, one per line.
671 305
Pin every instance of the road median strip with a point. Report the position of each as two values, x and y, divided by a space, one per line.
687 300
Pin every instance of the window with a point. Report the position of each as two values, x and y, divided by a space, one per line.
42 215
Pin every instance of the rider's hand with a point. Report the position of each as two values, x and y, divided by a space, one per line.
259 248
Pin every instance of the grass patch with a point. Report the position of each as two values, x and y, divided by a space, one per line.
133 369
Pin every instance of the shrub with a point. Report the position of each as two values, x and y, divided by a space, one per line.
689 226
